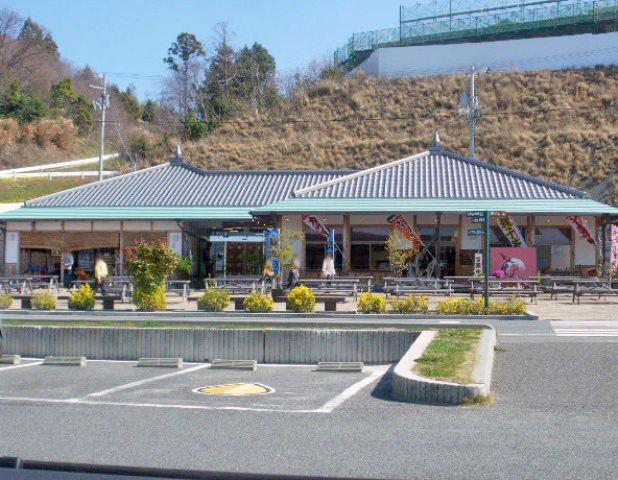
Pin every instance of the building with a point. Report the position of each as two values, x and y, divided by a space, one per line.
218 218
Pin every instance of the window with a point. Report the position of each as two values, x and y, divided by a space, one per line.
447 234
552 236
315 249
368 246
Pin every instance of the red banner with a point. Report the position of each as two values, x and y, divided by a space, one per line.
314 223
400 223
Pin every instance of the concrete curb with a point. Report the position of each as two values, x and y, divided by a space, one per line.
410 387
197 345
155 316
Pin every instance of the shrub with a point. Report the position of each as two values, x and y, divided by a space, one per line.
512 306
9 131
5 302
301 299
465 306
83 299
150 301
214 300
371 303
411 304
256 302
43 301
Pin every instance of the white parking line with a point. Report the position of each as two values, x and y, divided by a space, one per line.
142 382
24 365
349 392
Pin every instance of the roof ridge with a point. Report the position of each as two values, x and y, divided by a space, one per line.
359 173
90 185
522 176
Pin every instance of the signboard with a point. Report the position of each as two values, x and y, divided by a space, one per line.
12 248
476 232
515 263
478 220
614 248
271 237
475 214
174 240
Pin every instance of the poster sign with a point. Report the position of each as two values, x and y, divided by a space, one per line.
314 223
174 240
614 248
513 262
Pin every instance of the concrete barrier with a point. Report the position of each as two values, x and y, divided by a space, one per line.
198 344
410 387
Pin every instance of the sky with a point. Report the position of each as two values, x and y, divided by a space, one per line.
127 39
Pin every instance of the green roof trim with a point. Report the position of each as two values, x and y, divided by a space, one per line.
563 206
128 213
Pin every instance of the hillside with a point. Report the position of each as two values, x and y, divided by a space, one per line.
559 126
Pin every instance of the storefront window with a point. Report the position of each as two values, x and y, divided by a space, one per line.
368 248
553 249
315 249
552 236
447 234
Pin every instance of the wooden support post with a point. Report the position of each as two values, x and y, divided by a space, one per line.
346 243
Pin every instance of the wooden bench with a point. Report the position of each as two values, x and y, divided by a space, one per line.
336 286
330 301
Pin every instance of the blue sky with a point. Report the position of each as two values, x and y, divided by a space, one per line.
129 38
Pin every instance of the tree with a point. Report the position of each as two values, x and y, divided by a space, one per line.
78 107
256 76
399 250
222 68
283 249
37 37
22 106
183 59
149 111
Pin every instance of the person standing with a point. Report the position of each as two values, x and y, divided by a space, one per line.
328 266
100 273
67 262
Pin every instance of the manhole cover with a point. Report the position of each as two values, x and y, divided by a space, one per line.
235 389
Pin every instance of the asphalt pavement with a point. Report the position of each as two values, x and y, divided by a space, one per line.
554 417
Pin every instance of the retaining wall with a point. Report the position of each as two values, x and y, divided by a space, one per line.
197 345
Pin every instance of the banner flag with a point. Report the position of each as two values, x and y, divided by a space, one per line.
581 229
314 223
397 221
614 248
511 231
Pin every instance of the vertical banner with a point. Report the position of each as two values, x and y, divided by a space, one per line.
11 251
174 240
314 223
271 237
577 224
400 223
614 236
330 247
511 231
478 264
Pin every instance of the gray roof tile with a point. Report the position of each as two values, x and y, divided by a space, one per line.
438 174
178 184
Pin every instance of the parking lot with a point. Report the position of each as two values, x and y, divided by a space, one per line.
554 418
277 388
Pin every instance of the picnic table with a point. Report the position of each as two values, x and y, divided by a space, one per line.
27 283
417 285
238 284
181 287
120 286
509 286
332 286
592 286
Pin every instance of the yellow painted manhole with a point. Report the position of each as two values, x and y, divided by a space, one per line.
235 389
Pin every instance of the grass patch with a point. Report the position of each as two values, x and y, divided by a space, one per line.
19 190
480 401
499 349
451 356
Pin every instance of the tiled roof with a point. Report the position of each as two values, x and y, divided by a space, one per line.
177 184
438 174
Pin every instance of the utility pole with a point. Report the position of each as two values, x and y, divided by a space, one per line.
102 103
469 105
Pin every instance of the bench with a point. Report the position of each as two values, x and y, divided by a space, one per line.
330 301
515 287
335 286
